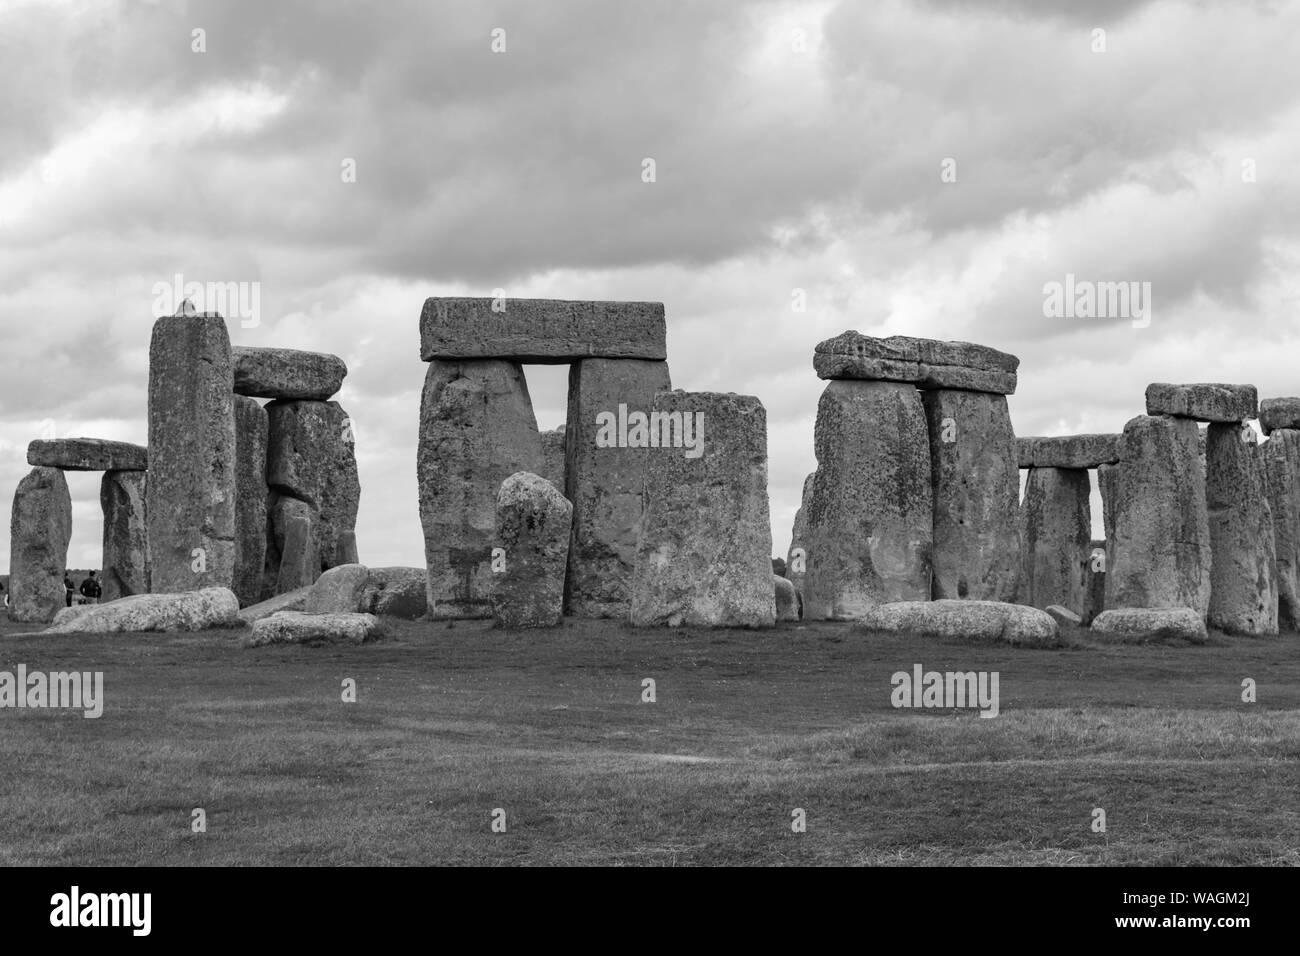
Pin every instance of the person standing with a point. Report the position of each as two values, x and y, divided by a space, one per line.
69 587
90 590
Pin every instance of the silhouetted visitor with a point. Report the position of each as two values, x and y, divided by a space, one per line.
90 590
69 587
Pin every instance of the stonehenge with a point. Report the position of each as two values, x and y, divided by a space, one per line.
1057 529
533 525
1243 566
40 529
122 497
87 454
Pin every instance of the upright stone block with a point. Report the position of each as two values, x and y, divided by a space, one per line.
251 431
796 560
704 555
553 443
40 527
1161 553
293 560
1243 567
477 428
607 434
1281 458
1057 527
533 522
122 496
191 487
871 519
976 486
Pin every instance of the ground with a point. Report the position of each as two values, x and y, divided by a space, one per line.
451 723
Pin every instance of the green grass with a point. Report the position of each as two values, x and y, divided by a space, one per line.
452 722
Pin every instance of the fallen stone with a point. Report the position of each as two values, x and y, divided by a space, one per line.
190 503
796 563
871 519
1056 521
787 599
1278 413
1281 459
533 525
1063 615
88 454
1243 563
476 430
338 590
289 601
250 499
1206 403
553 454
969 620
704 556
605 474
396 592
185 611
925 363
976 492
295 627
122 496
40 527
1161 552
1139 625
311 455
541 331
1068 451
287 374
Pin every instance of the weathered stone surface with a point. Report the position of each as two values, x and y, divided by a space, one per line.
311 455
191 492
250 499
40 527
605 480
1243 566
476 430
287 374
88 454
1281 458
1161 553
870 522
1278 413
347 549
541 331
1063 615
1095 599
787 599
1068 451
796 562
533 526
396 592
1056 521
704 555
185 611
1139 625
338 590
122 496
968 620
295 627
553 443
294 600
1108 477
976 489
927 363
293 560
1203 402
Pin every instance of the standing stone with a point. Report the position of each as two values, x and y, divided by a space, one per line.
533 525
293 560
787 599
477 428
871 518
604 473
1057 521
122 496
704 555
191 490
40 527
1243 567
976 485
796 562
553 452
1108 485
311 455
1095 572
1281 458
1161 554
250 499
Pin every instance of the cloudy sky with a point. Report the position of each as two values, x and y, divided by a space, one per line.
917 168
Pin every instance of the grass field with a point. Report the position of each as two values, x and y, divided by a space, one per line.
453 722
